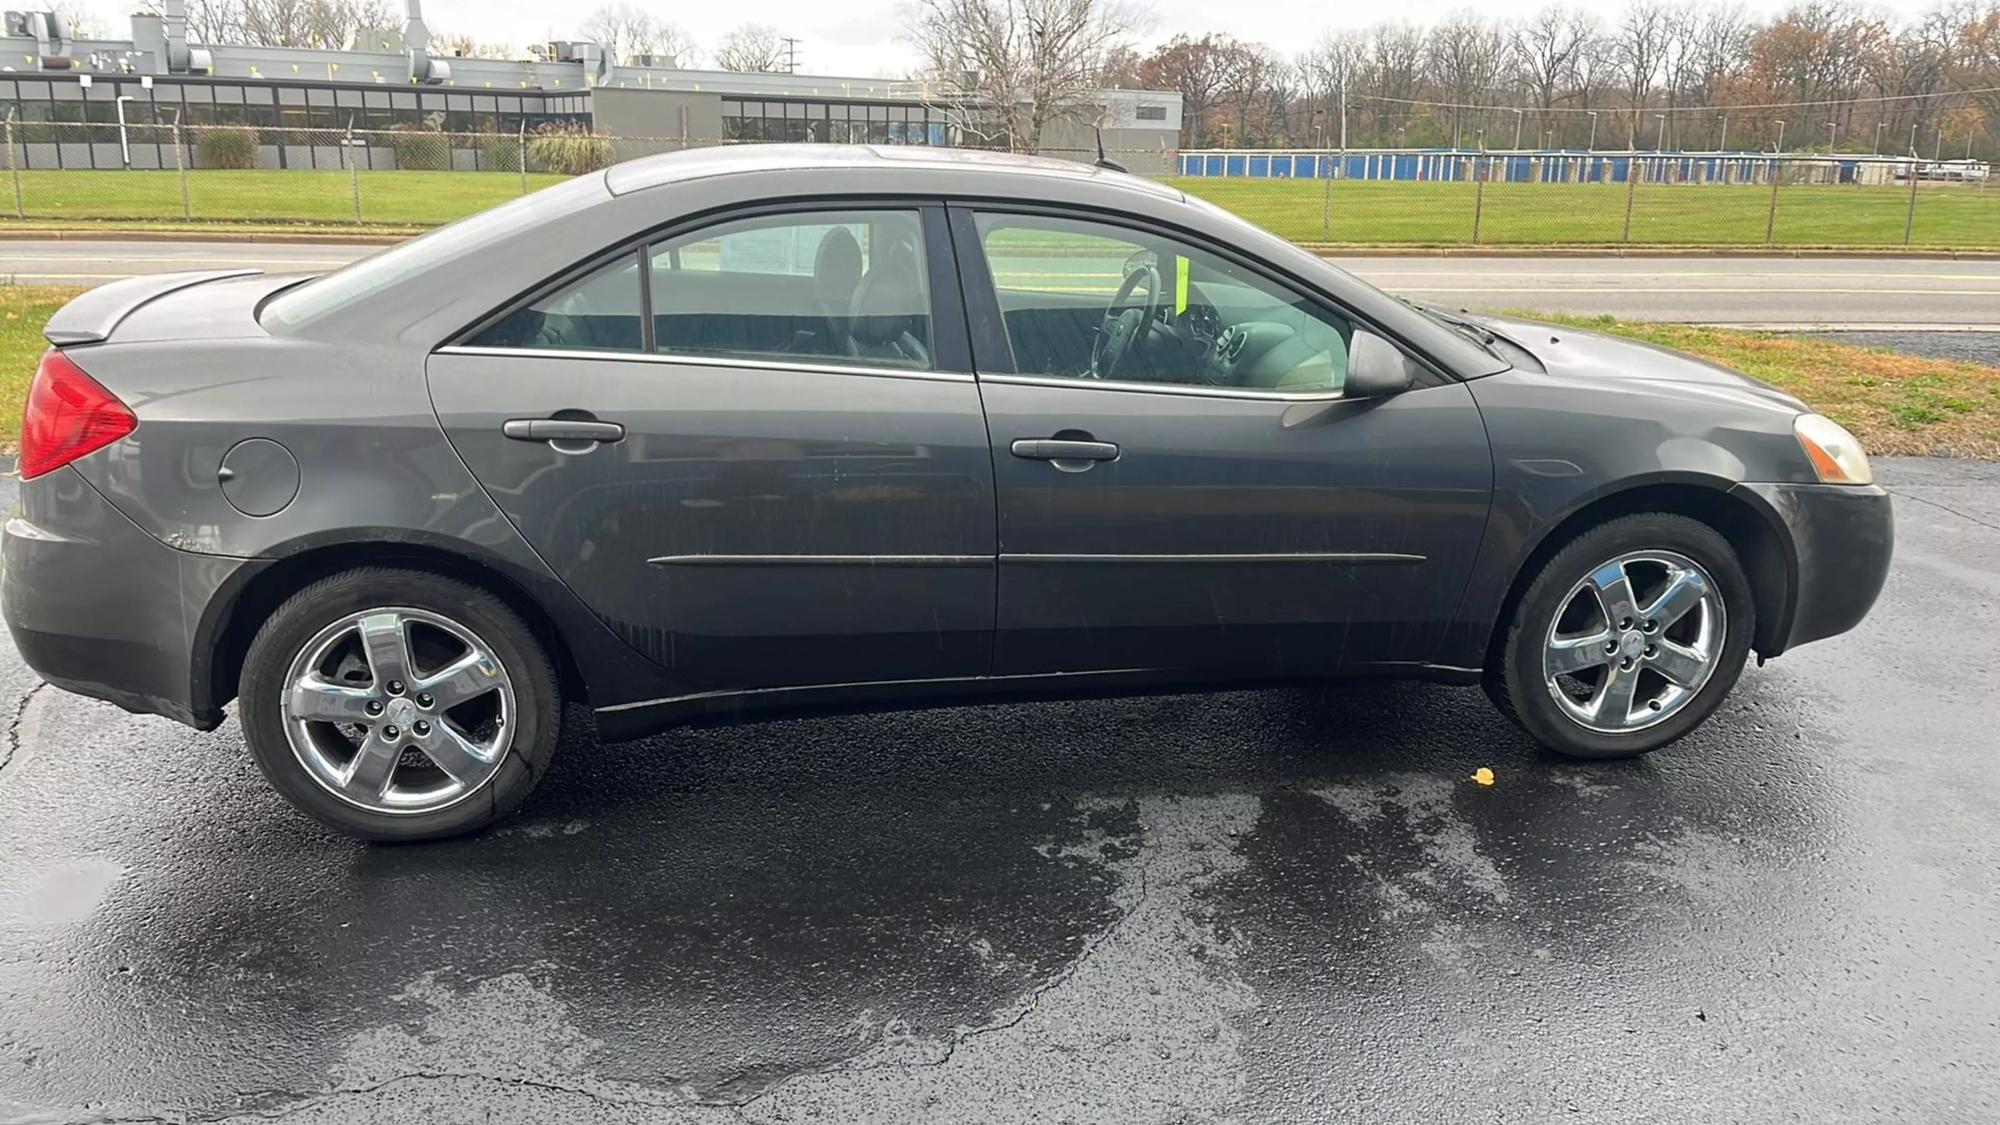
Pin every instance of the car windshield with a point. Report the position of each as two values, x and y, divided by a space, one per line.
300 305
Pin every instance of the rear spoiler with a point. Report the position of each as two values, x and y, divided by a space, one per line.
95 315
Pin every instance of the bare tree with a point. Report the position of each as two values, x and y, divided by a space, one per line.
752 47
1465 55
624 30
471 47
1326 73
84 22
1640 46
1198 69
329 24
1007 69
1548 48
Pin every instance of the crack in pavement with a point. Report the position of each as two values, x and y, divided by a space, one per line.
962 1036
13 740
1945 507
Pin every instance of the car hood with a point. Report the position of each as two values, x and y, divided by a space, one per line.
1577 353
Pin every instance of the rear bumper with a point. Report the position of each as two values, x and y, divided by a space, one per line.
98 607
1841 539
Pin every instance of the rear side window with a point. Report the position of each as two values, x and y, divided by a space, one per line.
598 313
840 288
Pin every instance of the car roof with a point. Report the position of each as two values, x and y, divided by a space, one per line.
730 160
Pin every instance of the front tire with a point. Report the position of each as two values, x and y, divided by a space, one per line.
1627 639
399 705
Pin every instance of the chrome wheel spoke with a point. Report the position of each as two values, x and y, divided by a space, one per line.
1569 655
373 766
1614 594
464 679
1681 665
387 645
1682 594
316 700
1613 703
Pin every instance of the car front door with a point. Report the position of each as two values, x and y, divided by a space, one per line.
753 448
1182 486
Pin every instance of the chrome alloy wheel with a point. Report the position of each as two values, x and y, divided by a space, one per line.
399 710
1634 641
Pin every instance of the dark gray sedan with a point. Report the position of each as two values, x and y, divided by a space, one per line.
760 429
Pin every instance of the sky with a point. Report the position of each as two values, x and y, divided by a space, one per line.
862 37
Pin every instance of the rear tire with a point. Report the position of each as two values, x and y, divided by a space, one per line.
1588 672
399 705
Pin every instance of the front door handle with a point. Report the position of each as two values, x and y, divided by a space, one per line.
566 431
1064 449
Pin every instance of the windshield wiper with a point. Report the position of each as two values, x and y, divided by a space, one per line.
1471 330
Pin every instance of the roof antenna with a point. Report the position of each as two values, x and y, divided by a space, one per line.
1104 161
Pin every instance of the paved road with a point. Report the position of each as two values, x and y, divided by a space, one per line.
1778 291
1284 905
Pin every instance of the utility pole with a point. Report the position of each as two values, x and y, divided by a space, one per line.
1343 110
791 54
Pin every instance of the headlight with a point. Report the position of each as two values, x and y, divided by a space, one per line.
1834 453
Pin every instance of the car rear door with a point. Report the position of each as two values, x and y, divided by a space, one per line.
1177 515
754 448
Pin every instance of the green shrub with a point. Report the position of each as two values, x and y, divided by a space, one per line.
418 149
569 150
227 148
502 155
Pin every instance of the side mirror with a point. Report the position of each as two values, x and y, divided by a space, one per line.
1376 368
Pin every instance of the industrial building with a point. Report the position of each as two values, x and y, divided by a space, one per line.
391 78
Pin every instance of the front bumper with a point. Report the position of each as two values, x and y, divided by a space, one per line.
98 607
1840 539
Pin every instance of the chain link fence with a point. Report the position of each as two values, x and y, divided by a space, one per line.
235 174
1602 199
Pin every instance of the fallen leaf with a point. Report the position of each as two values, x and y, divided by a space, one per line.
1483 776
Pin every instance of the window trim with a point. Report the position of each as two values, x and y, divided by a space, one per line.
993 349
950 346
682 359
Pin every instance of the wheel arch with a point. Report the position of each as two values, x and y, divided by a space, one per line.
1753 532
233 620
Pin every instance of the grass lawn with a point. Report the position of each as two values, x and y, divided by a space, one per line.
1375 211
1895 404
24 309
1355 212
387 198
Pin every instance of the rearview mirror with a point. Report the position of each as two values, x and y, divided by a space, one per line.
1376 368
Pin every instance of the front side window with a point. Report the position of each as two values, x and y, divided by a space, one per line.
846 288
1087 300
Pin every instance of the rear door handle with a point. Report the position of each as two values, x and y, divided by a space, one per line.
566 430
1064 449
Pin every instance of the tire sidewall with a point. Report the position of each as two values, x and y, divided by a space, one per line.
262 687
1532 704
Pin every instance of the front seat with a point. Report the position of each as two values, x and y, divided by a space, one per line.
836 275
890 319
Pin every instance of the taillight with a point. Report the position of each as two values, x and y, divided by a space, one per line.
69 414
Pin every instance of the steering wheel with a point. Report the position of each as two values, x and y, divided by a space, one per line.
1125 322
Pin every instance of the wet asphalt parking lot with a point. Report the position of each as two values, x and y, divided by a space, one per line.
1279 905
